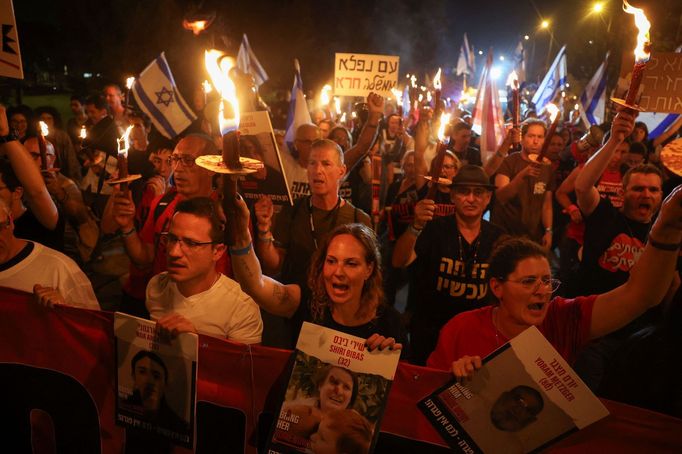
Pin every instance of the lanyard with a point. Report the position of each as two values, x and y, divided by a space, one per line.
334 212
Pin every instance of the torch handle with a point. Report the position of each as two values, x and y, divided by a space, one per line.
517 112
436 170
548 138
122 164
635 81
230 208
42 147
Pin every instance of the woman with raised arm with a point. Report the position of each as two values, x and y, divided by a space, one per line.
344 289
521 281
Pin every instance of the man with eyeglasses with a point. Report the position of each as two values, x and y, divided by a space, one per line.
143 246
77 237
23 189
192 295
450 256
29 266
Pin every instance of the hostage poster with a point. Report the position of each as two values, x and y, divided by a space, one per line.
156 384
524 398
336 394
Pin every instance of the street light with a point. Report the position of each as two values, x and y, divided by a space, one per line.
526 37
544 24
598 7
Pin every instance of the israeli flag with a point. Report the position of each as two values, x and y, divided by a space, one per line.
298 108
593 100
657 123
465 62
159 98
554 81
249 64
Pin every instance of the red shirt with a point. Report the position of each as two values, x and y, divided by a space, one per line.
566 327
153 228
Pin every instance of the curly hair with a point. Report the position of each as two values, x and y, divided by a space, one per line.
372 291
323 372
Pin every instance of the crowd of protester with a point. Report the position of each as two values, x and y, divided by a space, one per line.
448 268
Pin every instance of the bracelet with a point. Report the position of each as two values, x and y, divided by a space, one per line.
414 230
128 233
664 246
243 251
548 229
270 239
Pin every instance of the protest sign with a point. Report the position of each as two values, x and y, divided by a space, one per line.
524 398
257 141
338 389
661 89
360 74
156 382
10 55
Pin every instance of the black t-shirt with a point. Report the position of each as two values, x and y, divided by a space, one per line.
450 278
387 323
613 244
469 156
401 205
28 227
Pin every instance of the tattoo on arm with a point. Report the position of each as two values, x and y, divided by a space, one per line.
281 294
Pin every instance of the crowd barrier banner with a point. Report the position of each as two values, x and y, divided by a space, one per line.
57 369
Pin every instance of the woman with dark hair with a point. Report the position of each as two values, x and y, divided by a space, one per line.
345 286
21 122
521 281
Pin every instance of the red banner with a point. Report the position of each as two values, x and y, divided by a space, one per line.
61 362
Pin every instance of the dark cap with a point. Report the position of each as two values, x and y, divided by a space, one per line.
471 175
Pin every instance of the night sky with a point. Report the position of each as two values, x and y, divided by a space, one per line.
119 38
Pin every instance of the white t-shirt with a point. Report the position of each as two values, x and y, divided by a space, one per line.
297 176
221 311
51 268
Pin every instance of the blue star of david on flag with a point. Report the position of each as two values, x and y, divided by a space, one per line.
165 96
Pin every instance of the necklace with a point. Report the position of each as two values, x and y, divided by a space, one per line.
495 315
473 252
334 213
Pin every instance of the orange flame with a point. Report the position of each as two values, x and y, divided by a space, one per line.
553 111
642 53
218 66
324 95
436 80
124 142
129 82
398 96
207 86
337 105
44 130
444 120
512 80
83 133
197 26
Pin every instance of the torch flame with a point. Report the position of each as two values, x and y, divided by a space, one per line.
398 96
413 81
512 80
337 105
44 130
324 95
124 143
218 66
83 133
343 118
436 80
207 87
553 111
642 53
129 82
444 121
197 26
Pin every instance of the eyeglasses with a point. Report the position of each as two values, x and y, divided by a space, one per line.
533 283
465 191
187 161
169 240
